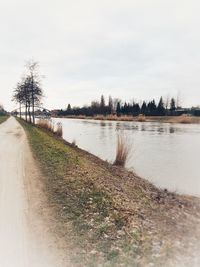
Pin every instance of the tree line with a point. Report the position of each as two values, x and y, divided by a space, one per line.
116 106
28 92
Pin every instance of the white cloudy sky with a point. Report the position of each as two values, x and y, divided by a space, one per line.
125 48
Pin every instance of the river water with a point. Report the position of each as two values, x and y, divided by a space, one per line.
163 153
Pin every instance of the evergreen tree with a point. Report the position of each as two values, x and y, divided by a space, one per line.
102 105
144 108
110 105
118 109
161 108
172 106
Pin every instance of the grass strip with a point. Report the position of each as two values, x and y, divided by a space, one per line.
3 119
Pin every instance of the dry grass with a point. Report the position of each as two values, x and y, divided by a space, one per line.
59 130
74 143
113 117
184 119
49 126
122 152
142 118
46 124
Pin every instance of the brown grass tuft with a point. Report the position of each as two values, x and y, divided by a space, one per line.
122 151
59 130
48 125
141 118
74 143
183 119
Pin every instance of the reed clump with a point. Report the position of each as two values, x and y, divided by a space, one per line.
184 119
46 124
49 126
141 118
122 151
59 130
74 143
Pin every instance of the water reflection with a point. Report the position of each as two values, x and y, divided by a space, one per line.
166 154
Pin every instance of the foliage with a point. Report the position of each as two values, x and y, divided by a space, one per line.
116 106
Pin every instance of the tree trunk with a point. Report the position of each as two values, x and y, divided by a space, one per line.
33 101
33 110
29 113
26 113
20 110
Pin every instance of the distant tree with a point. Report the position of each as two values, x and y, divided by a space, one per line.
172 106
178 100
118 109
110 105
161 108
152 108
69 110
34 86
144 108
95 108
136 109
102 105
28 92
124 109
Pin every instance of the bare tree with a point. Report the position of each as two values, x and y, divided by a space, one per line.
179 100
34 85
166 103
28 92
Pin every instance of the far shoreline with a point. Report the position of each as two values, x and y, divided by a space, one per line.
184 119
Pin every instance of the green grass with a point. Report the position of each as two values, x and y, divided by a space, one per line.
3 118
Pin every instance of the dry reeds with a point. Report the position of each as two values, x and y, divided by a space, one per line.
46 124
49 126
59 130
183 119
141 118
122 152
74 143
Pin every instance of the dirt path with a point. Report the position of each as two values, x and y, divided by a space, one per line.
24 240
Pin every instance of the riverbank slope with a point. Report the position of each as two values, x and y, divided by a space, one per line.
108 216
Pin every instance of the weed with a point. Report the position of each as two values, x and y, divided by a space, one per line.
122 151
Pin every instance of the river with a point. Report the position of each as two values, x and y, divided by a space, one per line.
163 153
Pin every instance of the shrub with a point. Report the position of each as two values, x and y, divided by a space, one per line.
141 118
59 130
48 125
122 151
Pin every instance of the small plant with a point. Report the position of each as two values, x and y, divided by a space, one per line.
59 131
46 124
122 151
74 143
141 118
184 119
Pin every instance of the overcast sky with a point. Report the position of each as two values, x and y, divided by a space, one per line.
137 49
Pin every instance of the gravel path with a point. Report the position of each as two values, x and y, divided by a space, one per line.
23 239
